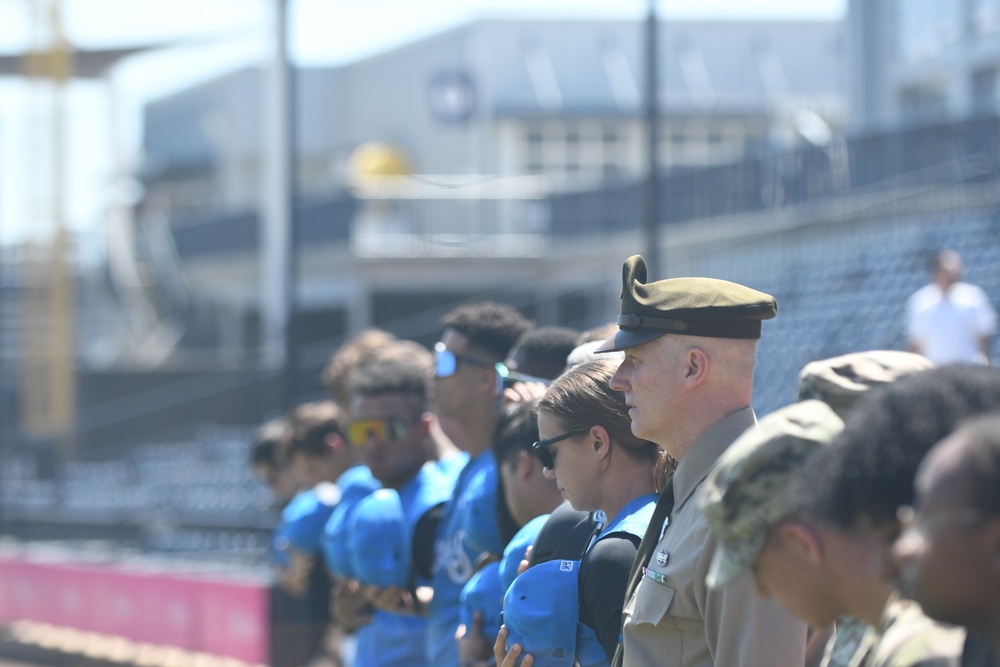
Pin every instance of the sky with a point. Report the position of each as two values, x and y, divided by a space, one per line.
216 36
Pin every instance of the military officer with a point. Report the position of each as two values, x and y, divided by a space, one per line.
689 347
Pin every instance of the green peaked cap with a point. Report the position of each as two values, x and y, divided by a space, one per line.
687 307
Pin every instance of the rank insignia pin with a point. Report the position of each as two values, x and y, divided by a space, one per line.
662 557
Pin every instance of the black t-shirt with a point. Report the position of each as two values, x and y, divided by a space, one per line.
424 536
604 574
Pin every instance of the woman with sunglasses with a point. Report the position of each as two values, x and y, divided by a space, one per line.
588 447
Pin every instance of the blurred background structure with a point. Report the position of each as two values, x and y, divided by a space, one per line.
823 161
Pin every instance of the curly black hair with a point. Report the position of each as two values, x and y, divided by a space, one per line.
490 327
542 352
869 469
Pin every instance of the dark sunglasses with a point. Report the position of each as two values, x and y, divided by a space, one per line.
544 447
511 377
361 431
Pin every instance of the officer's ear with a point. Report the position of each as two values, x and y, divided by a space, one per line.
697 367
802 540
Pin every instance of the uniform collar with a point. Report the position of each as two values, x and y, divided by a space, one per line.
703 454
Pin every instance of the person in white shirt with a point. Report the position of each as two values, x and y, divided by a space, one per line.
950 321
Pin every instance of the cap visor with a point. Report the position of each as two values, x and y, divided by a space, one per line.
627 338
724 568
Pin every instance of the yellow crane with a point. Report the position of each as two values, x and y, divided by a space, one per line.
48 391
48 309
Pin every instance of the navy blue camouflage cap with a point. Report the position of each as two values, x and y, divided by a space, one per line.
750 489
687 307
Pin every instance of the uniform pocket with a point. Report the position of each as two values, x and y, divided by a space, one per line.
650 603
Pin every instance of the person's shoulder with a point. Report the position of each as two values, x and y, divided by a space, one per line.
923 297
565 535
451 466
613 550
914 640
971 292
477 469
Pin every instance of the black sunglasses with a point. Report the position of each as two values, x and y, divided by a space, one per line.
543 448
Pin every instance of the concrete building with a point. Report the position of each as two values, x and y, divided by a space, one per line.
922 61
483 143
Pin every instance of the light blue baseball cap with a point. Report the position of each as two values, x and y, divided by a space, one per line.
355 484
513 553
379 540
305 516
483 593
541 609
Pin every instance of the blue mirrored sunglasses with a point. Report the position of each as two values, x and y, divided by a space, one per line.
446 362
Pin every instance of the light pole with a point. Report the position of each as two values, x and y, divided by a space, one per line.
277 242
650 190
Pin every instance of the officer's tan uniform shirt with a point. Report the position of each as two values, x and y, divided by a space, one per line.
673 620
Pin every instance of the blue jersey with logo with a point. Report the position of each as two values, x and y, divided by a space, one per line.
481 522
399 640
483 593
632 519
454 561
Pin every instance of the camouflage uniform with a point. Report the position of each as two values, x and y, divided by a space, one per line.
841 382
852 638
905 637
751 490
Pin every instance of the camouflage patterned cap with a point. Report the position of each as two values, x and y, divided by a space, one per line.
840 382
685 306
748 491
